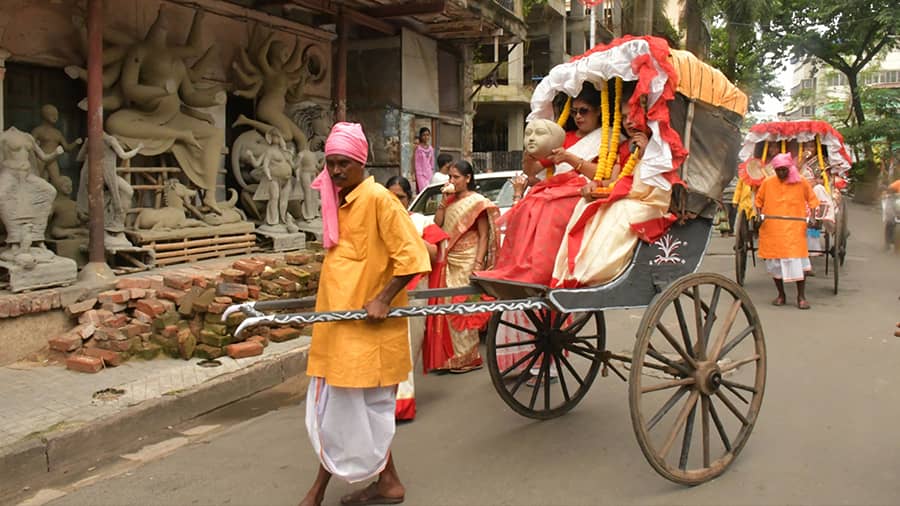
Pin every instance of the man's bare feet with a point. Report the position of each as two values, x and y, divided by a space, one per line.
375 493
311 501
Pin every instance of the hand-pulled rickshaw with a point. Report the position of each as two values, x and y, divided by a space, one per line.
818 150
697 370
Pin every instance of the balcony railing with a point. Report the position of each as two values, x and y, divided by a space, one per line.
509 5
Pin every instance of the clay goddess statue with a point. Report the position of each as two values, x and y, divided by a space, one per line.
117 192
27 199
157 83
49 137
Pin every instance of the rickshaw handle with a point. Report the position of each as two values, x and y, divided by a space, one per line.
461 308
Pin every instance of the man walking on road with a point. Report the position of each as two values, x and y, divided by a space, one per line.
355 366
785 199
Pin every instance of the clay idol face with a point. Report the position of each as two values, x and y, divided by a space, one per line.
542 136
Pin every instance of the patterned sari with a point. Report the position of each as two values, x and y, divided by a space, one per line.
451 341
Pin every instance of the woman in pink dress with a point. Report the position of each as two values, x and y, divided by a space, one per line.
424 159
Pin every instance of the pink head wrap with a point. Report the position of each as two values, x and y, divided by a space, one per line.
345 139
786 160
348 139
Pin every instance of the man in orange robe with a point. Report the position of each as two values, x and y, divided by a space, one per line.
373 253
785 200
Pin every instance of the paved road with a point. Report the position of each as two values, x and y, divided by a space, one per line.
827 432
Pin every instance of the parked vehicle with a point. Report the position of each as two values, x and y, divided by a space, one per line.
493 185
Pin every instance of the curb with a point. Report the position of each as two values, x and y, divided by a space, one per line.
38 462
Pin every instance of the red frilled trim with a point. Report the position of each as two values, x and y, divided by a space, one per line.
745 176
792 128
644 68
406 409
651 230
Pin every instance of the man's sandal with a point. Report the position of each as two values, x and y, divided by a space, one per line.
803 304
369 495
779 301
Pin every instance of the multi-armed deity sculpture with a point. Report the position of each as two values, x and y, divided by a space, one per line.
278 149
152 86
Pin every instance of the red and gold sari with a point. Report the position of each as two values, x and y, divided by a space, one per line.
451 341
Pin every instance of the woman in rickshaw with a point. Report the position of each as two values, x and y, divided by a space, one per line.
628 197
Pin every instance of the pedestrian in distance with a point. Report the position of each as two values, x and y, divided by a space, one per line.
784 201
373 252
444 162
423 159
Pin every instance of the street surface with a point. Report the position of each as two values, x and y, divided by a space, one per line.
827 432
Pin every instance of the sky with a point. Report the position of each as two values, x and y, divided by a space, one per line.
772 106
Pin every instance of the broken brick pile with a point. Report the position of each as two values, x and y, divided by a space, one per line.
181 316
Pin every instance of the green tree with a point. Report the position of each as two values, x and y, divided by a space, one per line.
845 34
752 68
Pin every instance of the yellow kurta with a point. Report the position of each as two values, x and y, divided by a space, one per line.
377 242
784 238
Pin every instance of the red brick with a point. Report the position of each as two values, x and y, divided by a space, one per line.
136 328
137 293
171 294
156 282
253 291
200 281
5 305
168 305
282 334
118 321
216 308
126 283
66 342
258 339
121 344
150 307
108 334
298 258
233 290
112 307
110 358
286 284
83 363
85 330
141 316
177 281
248 266
170 331
223 300
233 276
244 350
114 296
80 307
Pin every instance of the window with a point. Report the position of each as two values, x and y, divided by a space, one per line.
837 80
808 110
808 84
890 76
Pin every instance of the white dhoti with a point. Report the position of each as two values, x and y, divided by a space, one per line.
351 429
788 269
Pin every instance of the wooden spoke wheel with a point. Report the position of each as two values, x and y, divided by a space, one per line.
542 362
741 247
844 233
698 374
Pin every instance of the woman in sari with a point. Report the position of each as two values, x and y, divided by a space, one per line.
451 342
435 241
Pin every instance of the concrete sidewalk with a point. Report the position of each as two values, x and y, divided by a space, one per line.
56 422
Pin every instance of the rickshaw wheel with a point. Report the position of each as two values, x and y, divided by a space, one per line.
692 352
836 253
566 362
741 235
842 238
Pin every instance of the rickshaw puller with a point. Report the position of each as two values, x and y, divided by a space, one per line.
782 243
355 366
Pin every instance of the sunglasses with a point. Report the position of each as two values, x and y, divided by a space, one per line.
582 111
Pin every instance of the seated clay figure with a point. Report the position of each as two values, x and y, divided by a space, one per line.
27 199
541 215
65 222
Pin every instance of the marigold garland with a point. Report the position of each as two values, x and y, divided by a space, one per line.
616 132
564 115
765 152
783 145
822 165
604 132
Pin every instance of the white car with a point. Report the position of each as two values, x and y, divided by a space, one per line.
493 185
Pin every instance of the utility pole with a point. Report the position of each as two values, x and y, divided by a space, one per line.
643 17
